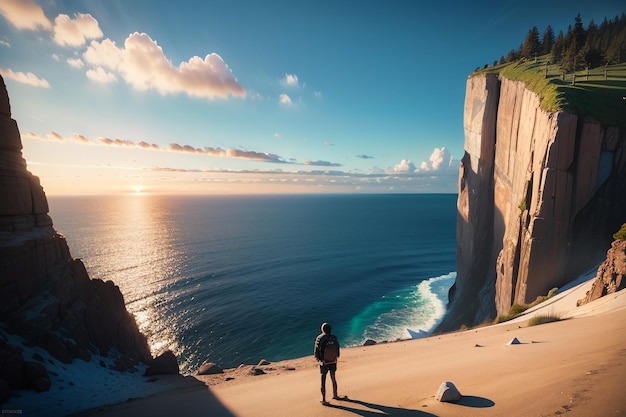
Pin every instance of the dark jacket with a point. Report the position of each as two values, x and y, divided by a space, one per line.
320 343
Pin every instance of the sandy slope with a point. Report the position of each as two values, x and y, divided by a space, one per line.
575 366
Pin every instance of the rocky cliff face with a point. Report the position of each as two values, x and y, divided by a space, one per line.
45 295
611 276
540 195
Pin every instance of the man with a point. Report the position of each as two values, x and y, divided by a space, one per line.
327 353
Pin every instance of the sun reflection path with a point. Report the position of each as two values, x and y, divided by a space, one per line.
139 256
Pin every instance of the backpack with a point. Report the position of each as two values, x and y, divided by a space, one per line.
330 350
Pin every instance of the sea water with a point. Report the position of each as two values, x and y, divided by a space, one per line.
237 279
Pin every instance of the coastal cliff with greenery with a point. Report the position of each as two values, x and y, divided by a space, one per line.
542 183
581 72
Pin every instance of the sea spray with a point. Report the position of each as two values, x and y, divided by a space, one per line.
418 308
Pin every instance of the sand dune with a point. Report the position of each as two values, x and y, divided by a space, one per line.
575 366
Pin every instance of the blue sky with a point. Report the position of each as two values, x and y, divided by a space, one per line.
254 97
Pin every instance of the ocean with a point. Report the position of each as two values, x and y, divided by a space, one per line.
236 279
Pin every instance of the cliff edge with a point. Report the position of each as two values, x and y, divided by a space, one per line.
46 296
540 194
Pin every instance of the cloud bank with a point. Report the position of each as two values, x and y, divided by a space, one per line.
140 62
440 159
24 77
25 14
173 147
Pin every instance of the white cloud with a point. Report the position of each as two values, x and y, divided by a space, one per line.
404 167
291 80
99 75
5 42
104 53
25 14
440 158
75 62
75 32
285 99
143 64
24 78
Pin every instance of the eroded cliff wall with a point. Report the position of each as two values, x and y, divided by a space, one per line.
46 296
540 195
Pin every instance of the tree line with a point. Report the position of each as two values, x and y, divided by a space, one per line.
578 48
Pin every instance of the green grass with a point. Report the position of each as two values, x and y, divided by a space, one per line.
537 320
516 310
598 93
621 233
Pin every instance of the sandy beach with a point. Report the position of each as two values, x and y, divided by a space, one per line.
575 366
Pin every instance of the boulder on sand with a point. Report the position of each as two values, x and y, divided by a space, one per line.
448 393
164 364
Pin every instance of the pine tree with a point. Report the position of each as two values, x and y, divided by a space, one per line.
579 32
592 41
578 48
512 56
570 55
548 40
590 53
616 52
531 46
558 48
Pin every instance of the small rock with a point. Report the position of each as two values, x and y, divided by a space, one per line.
164 364
448 393
369 342
209 368
263 362
257 371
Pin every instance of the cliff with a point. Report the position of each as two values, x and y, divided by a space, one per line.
540 194
46 296
611 274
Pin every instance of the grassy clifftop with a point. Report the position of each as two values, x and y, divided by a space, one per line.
599 92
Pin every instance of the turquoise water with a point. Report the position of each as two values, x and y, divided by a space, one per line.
234 279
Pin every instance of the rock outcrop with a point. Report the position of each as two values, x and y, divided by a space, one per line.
540 194
611 276
46 296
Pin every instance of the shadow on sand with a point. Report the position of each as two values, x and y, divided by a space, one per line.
192 399
376 410
475 402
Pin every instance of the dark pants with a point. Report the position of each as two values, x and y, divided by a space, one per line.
324 369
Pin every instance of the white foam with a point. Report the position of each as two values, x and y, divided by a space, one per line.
435 300
422 307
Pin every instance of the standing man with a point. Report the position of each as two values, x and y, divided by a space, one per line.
326 353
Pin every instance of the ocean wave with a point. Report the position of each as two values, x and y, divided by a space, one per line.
402 314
